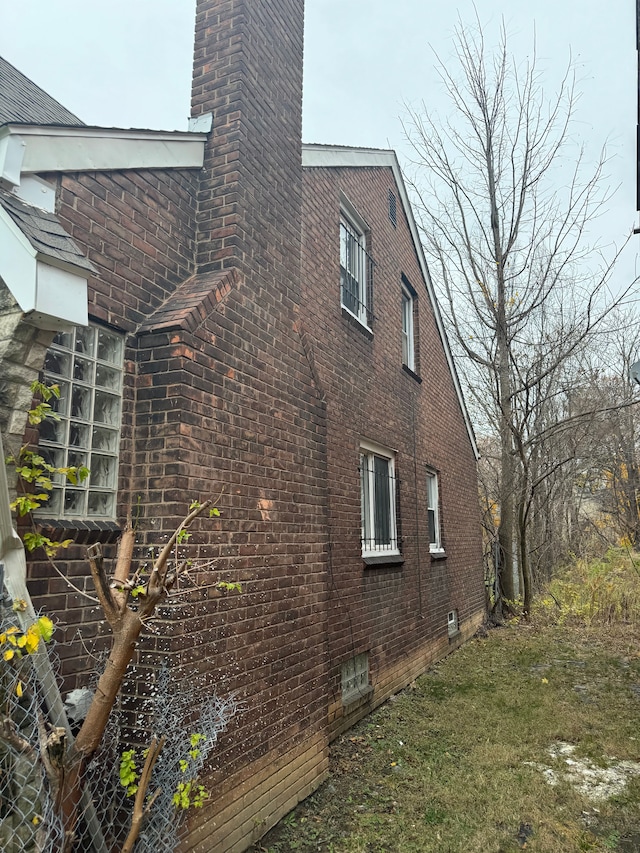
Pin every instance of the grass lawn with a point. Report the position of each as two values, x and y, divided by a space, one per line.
462 759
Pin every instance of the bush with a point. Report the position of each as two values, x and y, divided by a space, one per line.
602 591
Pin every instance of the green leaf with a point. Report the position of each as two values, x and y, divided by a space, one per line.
214 511
138 590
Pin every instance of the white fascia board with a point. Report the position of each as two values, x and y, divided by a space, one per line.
50 296
330 156
88 149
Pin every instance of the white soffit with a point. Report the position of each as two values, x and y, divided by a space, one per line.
336 156
87 149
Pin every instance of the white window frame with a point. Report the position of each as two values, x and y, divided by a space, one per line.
371 531
354 264
87 363
433 513
408 348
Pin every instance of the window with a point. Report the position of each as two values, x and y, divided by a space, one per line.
408 356
378 493
86 363
393 215
355 678
433 514
355 272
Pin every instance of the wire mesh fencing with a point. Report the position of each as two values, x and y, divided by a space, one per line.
29 822
181 716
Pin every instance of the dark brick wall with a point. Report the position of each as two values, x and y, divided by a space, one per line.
220 402
245 382
248 72
391 611
138 229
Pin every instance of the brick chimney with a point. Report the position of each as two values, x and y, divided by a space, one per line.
248 73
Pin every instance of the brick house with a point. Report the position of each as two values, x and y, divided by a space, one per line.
228 310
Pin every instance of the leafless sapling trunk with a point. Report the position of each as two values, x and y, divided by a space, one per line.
505 213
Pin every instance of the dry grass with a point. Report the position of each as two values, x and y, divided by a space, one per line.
446 766
597 591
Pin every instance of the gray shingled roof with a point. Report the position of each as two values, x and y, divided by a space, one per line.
44 231
22 102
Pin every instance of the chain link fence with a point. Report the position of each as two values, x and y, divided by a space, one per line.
28 819
186 713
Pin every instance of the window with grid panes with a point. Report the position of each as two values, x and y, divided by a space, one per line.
87 365
355 678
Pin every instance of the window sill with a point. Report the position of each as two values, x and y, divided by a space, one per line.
357 323
357 697
82 531
383 560
438 553
412 374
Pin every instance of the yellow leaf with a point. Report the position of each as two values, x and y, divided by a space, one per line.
22 641
8 654
545 680
46 628
32 638
19 690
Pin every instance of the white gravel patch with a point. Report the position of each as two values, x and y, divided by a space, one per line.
594 782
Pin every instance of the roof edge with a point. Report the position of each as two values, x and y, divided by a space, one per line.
339 156
36 149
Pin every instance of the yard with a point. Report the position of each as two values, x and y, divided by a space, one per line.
525 738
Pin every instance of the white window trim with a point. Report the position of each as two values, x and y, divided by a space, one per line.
433 505
408 347
369 450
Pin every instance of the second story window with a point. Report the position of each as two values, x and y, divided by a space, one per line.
355 272
408 349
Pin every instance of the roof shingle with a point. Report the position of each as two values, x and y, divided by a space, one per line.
22 102
44 231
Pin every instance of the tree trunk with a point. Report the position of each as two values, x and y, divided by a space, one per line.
506 528
126 633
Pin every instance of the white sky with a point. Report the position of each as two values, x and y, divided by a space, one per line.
127 63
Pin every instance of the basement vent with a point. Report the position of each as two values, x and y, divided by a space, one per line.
452 623
393 214
355 678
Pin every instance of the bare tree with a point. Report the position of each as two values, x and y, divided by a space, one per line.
505 212
610 474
